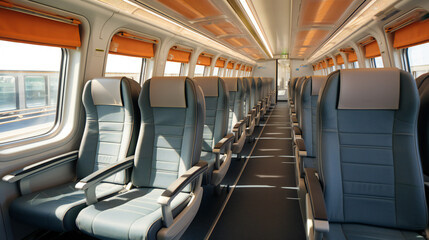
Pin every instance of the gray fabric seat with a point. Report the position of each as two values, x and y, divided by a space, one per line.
297 100
370 168
110 136
165 164
235 106
423 122
364 232
248 106
215 127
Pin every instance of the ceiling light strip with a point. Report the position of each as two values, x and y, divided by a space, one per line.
263 44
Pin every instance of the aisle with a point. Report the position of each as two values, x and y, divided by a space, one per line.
264 203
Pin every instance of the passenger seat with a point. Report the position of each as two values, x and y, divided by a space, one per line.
370 185
217 142
236 122
164 193
110 136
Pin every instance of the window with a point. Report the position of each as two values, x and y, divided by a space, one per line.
199 70
418 59
216 71
342 66
377 62
29 89
355 65
120 65
172 68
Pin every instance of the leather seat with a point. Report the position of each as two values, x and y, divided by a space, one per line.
217 142
112 123
165 191
423 122
236 121
370 168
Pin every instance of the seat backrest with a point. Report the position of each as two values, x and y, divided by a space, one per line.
297 96
112 125
292 87
259 89
172 113
236 100
423 122
246 98
251 85
367 149
308 121
216 98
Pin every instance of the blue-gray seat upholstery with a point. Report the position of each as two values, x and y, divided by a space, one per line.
247 85
308 120
235 105
297 97
216 125
368 155
167 147
423 122
110 136
260 98
291 86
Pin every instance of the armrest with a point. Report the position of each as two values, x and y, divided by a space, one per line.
223 143
297 130
300 145
294 119
238 126
89 183
176 187
317 200
40 166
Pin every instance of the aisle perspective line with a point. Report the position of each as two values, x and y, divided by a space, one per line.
209 233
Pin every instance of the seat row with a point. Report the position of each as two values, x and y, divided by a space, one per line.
358 166
144 155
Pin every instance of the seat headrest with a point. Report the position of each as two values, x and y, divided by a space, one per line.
421 79
209 85
231 84
316 83
369 88
167 92
106 91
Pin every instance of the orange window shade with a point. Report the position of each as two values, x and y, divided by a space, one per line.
220 63
339 59
131 47
204 60
250 69
237 66
178 56
372 50
411 35
26 28
330 62
324 64
242 68
352 57
230 65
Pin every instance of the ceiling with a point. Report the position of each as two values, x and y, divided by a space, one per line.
214 18
274 17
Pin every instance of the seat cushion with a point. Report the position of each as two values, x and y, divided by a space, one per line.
364 232
135 214
56 208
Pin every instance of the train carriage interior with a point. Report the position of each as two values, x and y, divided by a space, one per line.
214 119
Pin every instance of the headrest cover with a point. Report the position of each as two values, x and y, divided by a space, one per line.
209 85
316 83
369 89
106 91
167 92
231 84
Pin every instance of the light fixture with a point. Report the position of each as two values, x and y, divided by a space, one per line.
255 24
357 22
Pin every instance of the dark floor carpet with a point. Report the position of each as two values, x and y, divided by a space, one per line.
264 204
